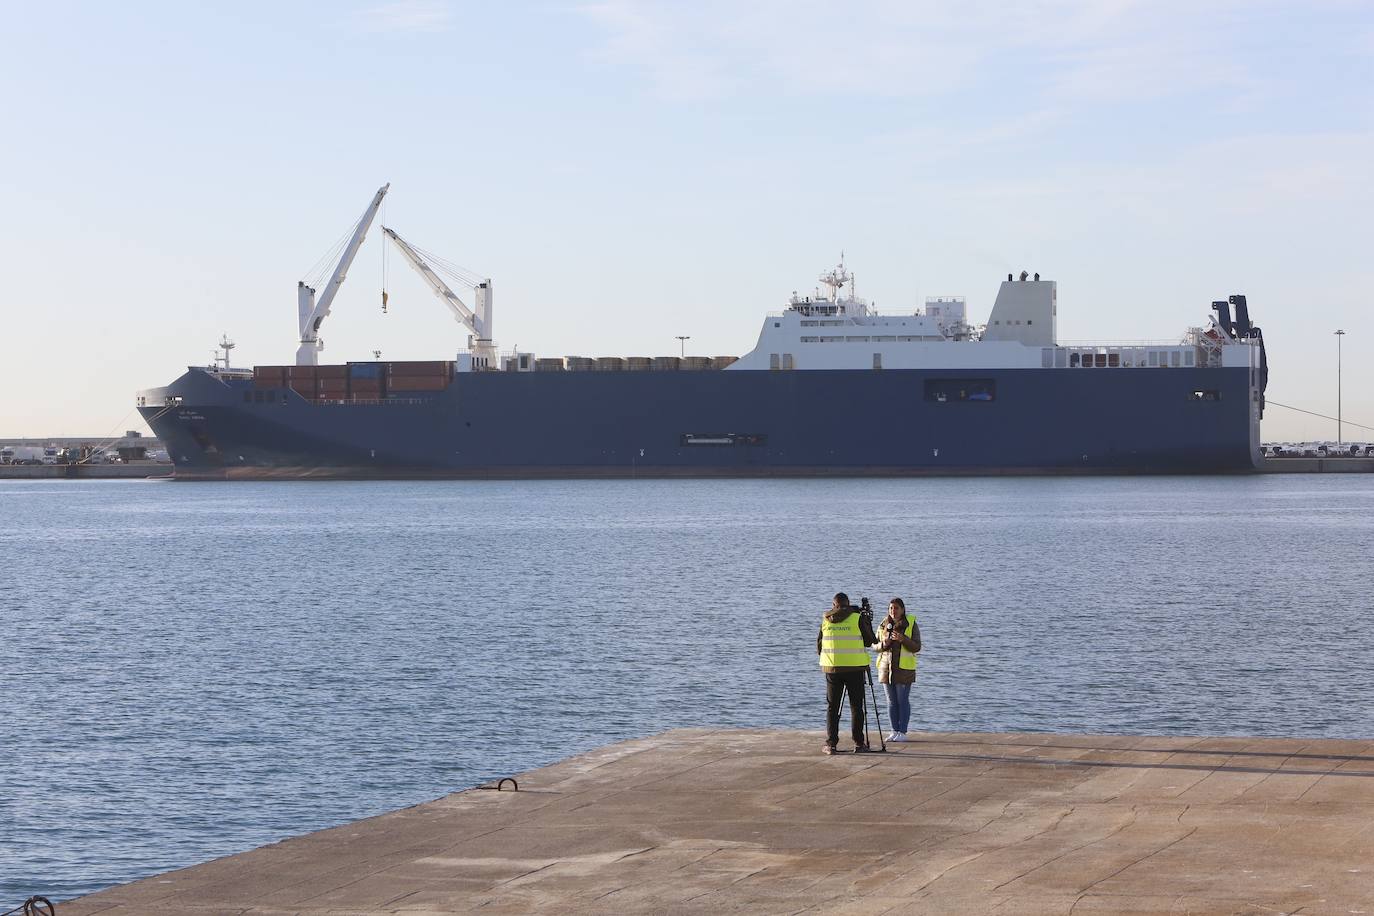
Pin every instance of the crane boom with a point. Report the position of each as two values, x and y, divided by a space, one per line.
477 321
311 313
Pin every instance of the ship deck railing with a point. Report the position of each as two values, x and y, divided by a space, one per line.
1117 344
369 402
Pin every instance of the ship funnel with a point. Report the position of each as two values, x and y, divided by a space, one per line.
1242 315
1223 310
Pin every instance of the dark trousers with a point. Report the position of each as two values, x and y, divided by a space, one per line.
852 681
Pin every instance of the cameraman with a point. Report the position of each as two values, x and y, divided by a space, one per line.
842 644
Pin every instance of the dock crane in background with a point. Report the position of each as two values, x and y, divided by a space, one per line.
311 313
477 320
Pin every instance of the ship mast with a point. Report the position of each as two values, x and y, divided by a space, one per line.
226 345
836 278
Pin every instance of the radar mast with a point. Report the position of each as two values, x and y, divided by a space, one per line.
836 278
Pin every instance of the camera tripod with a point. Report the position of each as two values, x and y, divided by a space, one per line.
863 702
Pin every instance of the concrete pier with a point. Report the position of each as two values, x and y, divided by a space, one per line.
698 821
84 471
1317 466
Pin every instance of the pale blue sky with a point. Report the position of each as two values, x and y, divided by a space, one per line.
630 171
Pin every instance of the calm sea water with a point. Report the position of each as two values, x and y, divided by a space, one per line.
192 670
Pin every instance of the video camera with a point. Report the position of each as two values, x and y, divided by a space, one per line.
865 609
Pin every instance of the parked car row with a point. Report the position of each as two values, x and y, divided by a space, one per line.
85 454
1318 449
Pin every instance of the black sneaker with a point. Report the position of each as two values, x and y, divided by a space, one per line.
862 749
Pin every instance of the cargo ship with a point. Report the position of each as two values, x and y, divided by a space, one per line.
830 388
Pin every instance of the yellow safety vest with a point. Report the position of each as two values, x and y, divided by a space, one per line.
842 643
906 659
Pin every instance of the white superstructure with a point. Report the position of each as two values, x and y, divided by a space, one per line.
837 330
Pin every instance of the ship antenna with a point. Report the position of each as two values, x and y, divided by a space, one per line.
226 345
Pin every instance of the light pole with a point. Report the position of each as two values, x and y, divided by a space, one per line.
682 343
1339 334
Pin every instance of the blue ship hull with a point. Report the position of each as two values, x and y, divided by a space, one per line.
721 424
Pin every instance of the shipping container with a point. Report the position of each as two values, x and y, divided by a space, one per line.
300 372
332 372
269 376
638 363
428 367
420 383
580 363
609 363
366 370
720 362
666 363
696 362
303 387
549 364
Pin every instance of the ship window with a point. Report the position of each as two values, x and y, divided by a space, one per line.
773 362
1203 395
947 390
1028 321
1188 358
877 360
787 361
1073 360
777 324
1177 359
1114 360
1101 360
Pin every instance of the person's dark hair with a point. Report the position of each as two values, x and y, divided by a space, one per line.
901 605
841 600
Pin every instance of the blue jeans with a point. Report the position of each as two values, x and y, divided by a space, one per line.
899 706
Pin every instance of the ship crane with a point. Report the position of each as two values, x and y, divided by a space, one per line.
311 313
476 320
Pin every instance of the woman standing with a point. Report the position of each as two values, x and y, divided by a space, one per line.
899 641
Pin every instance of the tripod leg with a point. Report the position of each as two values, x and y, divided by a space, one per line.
881 741
863 707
